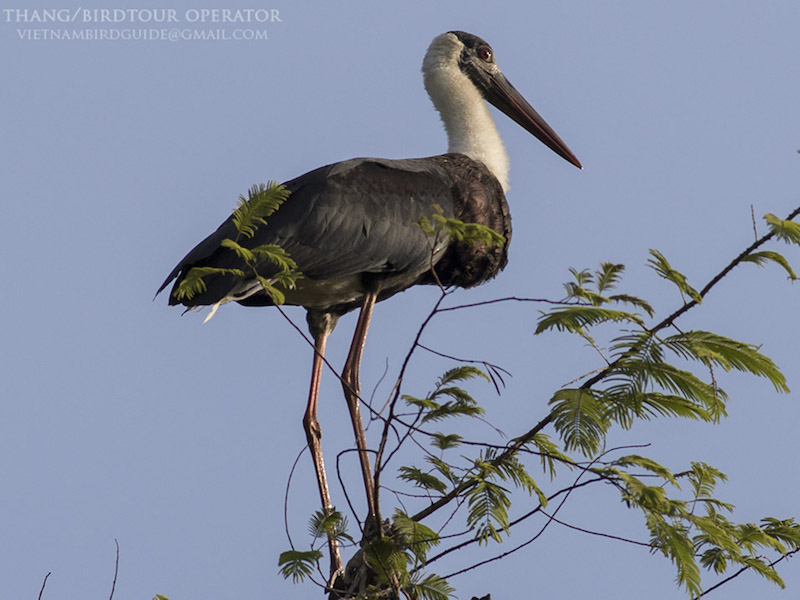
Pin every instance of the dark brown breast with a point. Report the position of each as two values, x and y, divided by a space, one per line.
477 198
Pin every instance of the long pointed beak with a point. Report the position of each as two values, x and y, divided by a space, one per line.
505 96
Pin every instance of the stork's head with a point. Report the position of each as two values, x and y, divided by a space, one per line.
459 69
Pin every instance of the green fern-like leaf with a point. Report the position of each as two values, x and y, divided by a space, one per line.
583 278
443 468
675 543
660 265
276 255
388 559
550 453
513 469
430 587
421 403
785 530
453 409
461 373
575 318
608 276
706 396
457 394
262 201
704 479
416 536
648 464
461 403
448 400
787 231
670 405
446 441
329 523
726 353
714 559
603 280
765 256
580 419
193 282
488 504
422 479
298 564
438 226
690 539
469 233
424 223
763 568
633 301
242 252
277 295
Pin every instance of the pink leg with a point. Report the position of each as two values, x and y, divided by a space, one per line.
352 390
313 436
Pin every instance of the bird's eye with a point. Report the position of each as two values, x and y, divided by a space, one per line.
485 53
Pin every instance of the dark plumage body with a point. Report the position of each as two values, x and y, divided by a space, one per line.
352 227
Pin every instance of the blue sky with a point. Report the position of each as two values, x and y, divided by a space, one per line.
120 419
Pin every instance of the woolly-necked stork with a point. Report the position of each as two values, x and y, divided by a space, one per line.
352 226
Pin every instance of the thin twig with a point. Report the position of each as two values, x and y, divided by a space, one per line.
508 299
344 489
44 583
375 390
596 533
286 497
492 368
116 571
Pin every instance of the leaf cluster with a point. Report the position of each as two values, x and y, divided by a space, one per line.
642 378
694 532
397 559
479 481
589 303
650 370
445 401
250 214
441 227
488 501
448 400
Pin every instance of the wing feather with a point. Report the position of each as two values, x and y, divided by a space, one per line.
349 218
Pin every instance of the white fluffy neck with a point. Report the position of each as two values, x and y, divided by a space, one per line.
470 128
